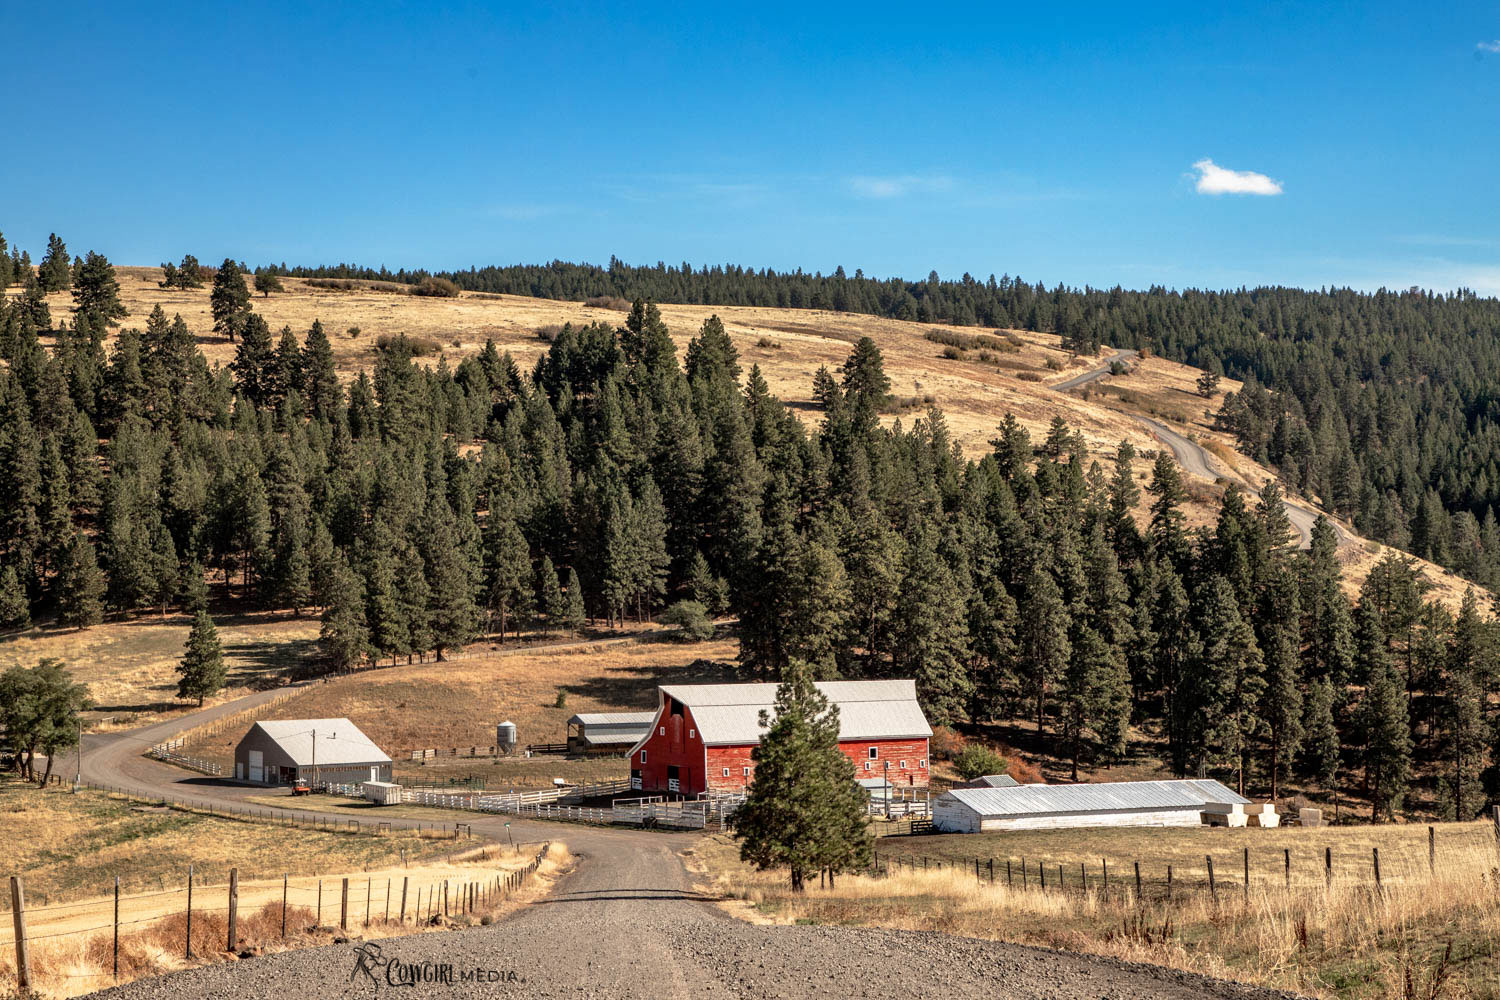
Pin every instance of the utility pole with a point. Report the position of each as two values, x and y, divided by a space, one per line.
78 758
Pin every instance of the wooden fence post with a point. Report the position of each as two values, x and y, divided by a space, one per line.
18 923
117 928
1328 867
283 904
1041 870
1023 874
1083 876
1286 857
1432 850
445 897
1061 882
234 906
368 885
1247 874
1137 881
1169 883
344 906
387 918
404 879
188 949
320 903
1213 889
1375 856
1105 863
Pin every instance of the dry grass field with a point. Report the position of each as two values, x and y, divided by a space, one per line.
94 836
1428 934
130 666
458 703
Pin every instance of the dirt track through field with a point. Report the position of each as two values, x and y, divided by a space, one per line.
627 922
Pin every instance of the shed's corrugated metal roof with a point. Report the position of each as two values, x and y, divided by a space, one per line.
339 741
990 781
730 713
1109 796
637 719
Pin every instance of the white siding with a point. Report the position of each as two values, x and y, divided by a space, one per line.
1165 817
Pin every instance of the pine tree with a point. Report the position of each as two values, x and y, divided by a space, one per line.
267 282
507 567
453 616
55 273
343 635
1124 494
1167 533
201 671
81 586
254 360
1224 682
803 811
230 300
1388 742
573 614
321 383
930 642
96 292
1322 746
707 589
1042 635
550 596
15 607
192 588
866 384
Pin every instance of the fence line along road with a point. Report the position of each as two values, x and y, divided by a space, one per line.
463 894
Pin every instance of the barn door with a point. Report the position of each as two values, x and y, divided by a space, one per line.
257 765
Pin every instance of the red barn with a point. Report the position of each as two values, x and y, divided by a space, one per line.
703 735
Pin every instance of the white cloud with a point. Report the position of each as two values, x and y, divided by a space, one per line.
897 186
1214 179
1489 46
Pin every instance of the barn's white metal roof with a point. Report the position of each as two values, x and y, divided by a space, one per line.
339 741
730 713
1108 796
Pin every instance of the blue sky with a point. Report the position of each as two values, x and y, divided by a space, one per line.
1058 142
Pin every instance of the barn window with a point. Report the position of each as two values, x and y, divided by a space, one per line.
903 765
745 771
663 730
726 772
922 763
874 753
643 756
692 733
867 765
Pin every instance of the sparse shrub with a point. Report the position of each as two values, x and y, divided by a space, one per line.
437 288
961 341
549 332
420 347
1029 376
562 699
1118 367
608 302
457 342
1056 364
976 760
768 344
946 743
353 331
953 353
691 619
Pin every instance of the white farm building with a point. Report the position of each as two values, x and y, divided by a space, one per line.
1112 803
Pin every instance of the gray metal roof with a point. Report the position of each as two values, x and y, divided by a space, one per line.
990 781
730 713
637 719
1108 796
339 741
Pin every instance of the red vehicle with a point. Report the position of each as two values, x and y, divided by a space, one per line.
301 788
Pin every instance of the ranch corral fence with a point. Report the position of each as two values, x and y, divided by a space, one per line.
168 752
1228 876
293 898
703 813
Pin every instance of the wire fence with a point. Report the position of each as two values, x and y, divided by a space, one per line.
1240 872
392 899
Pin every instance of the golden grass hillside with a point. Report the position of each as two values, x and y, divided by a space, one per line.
975 390
457 703
1427 934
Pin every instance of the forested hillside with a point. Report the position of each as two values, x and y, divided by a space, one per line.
1381 406
422 505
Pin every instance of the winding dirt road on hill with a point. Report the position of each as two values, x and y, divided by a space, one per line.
627 922
1195 460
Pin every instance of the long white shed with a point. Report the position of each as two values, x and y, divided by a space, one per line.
1110 803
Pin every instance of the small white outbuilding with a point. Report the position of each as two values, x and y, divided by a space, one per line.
1111 803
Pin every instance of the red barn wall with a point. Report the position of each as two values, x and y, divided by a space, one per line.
913 752
680 746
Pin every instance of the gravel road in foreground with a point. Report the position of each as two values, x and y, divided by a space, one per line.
626 924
